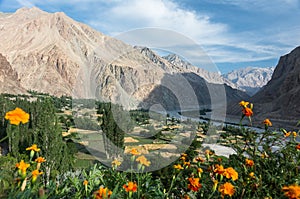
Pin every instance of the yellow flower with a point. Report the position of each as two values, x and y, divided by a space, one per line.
134 152
292 191
143 160
194 184
22 166
252 175
16 116
102 193
116 163
216 182
244 104
178 167
227 189
294 134
33 148
35 174
249 163
267 122
130 187
231 173
40 160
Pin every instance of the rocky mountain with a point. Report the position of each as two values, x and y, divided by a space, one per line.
211 77
250 79
279 99
54 54
9 81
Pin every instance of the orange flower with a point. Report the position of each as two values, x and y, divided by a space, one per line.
247 112
231 173
298 147
85 182
188 164
35 174
134 152
130 187
178 167
292 191
102 193
267 122
199 170
40 160
16 116
143 160
22 166
200 159
194 184
249 163
219 169
33 148
227 189
287 134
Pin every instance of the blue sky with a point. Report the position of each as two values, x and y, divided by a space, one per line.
232 33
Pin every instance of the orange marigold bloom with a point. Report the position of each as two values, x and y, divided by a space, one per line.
188 164
287 134
298 147
130 187
134 152
231 173
178 167
35 174
194 184
102 193
85 182
249 163
199 170
22 166
267 122
143 160
292 191
244 104
219 169
40 160
247 112
16 116
33 148
200 159
227 189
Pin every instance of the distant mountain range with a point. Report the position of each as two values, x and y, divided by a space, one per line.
250 79
54 54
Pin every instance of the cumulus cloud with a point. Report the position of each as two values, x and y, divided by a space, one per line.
218 38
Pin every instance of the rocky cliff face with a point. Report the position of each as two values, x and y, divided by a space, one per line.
54 54
279 99
250 79
9 81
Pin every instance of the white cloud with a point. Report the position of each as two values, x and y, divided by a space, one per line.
219 40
